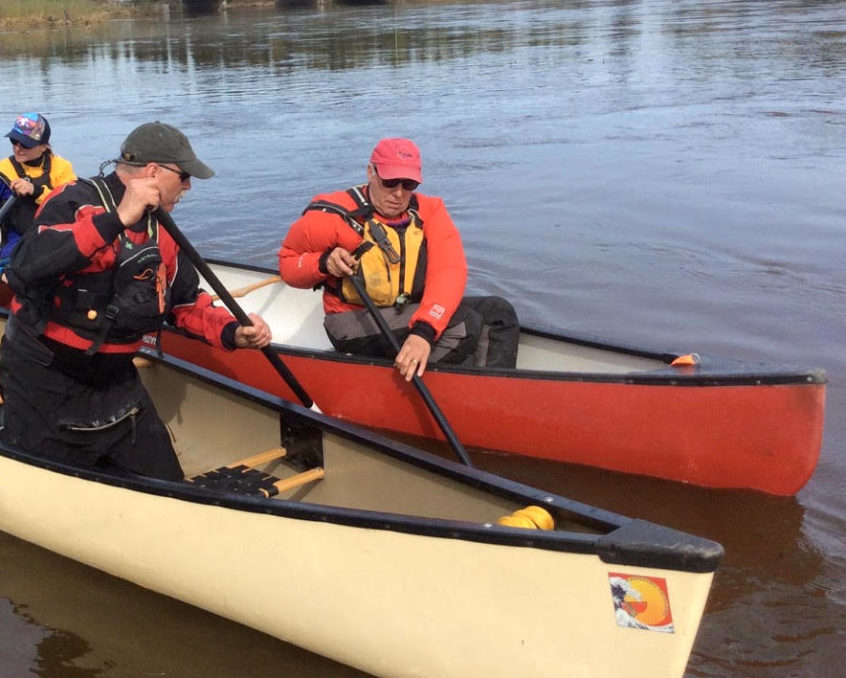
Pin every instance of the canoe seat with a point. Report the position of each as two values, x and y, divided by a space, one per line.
242 478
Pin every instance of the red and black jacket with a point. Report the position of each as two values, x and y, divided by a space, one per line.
66 274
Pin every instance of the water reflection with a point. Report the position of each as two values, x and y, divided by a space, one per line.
69 604
18 641
200 7
302 4
361 3
286 37
664 172
58 654
37 650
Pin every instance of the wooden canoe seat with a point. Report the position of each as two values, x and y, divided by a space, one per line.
243 478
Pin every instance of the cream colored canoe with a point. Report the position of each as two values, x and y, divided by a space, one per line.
373 553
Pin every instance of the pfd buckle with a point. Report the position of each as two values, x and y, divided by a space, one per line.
402 302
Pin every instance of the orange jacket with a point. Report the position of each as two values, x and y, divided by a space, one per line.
316 233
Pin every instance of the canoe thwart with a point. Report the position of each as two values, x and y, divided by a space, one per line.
241 291
261 458
299 479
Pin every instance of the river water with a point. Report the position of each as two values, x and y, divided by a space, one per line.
658 172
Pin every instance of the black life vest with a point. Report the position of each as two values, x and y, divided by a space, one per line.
122 304
394 270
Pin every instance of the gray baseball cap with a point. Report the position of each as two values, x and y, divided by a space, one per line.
159 142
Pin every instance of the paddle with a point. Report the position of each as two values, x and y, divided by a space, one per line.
418 382
184 244
7 206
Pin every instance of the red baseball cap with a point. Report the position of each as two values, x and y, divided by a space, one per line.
397 159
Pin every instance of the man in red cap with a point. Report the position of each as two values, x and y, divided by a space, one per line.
408 253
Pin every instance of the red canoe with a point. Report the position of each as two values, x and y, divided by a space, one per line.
720 423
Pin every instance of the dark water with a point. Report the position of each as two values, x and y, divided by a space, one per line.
659 172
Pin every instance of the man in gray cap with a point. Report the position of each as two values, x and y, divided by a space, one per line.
149 149
95 276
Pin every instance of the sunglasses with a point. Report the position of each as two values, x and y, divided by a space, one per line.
183 175
15 142
407 184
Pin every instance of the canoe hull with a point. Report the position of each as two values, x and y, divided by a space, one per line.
764 436
384 592
392 563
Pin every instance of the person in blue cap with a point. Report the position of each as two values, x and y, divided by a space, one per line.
28 175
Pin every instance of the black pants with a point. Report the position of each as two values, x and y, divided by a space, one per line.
107 421
483 332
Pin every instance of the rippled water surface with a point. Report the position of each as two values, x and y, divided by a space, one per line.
657 172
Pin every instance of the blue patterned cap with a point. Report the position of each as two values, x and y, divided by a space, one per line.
30 130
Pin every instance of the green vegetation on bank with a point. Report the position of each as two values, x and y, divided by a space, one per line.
26 15
46 13
33 14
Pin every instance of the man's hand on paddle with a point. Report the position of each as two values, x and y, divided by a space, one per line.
413 357
22 186
340 263
255 336
142 194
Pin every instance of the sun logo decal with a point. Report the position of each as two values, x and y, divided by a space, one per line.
641 602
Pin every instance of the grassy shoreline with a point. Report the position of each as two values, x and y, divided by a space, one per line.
34 14
26 15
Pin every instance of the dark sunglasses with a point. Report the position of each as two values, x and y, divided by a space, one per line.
407 184
15 142
183 175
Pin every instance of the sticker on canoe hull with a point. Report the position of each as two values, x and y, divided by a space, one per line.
641 602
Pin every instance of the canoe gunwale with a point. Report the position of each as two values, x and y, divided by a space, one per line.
711 371
665 548
573 542
698 556
670 377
